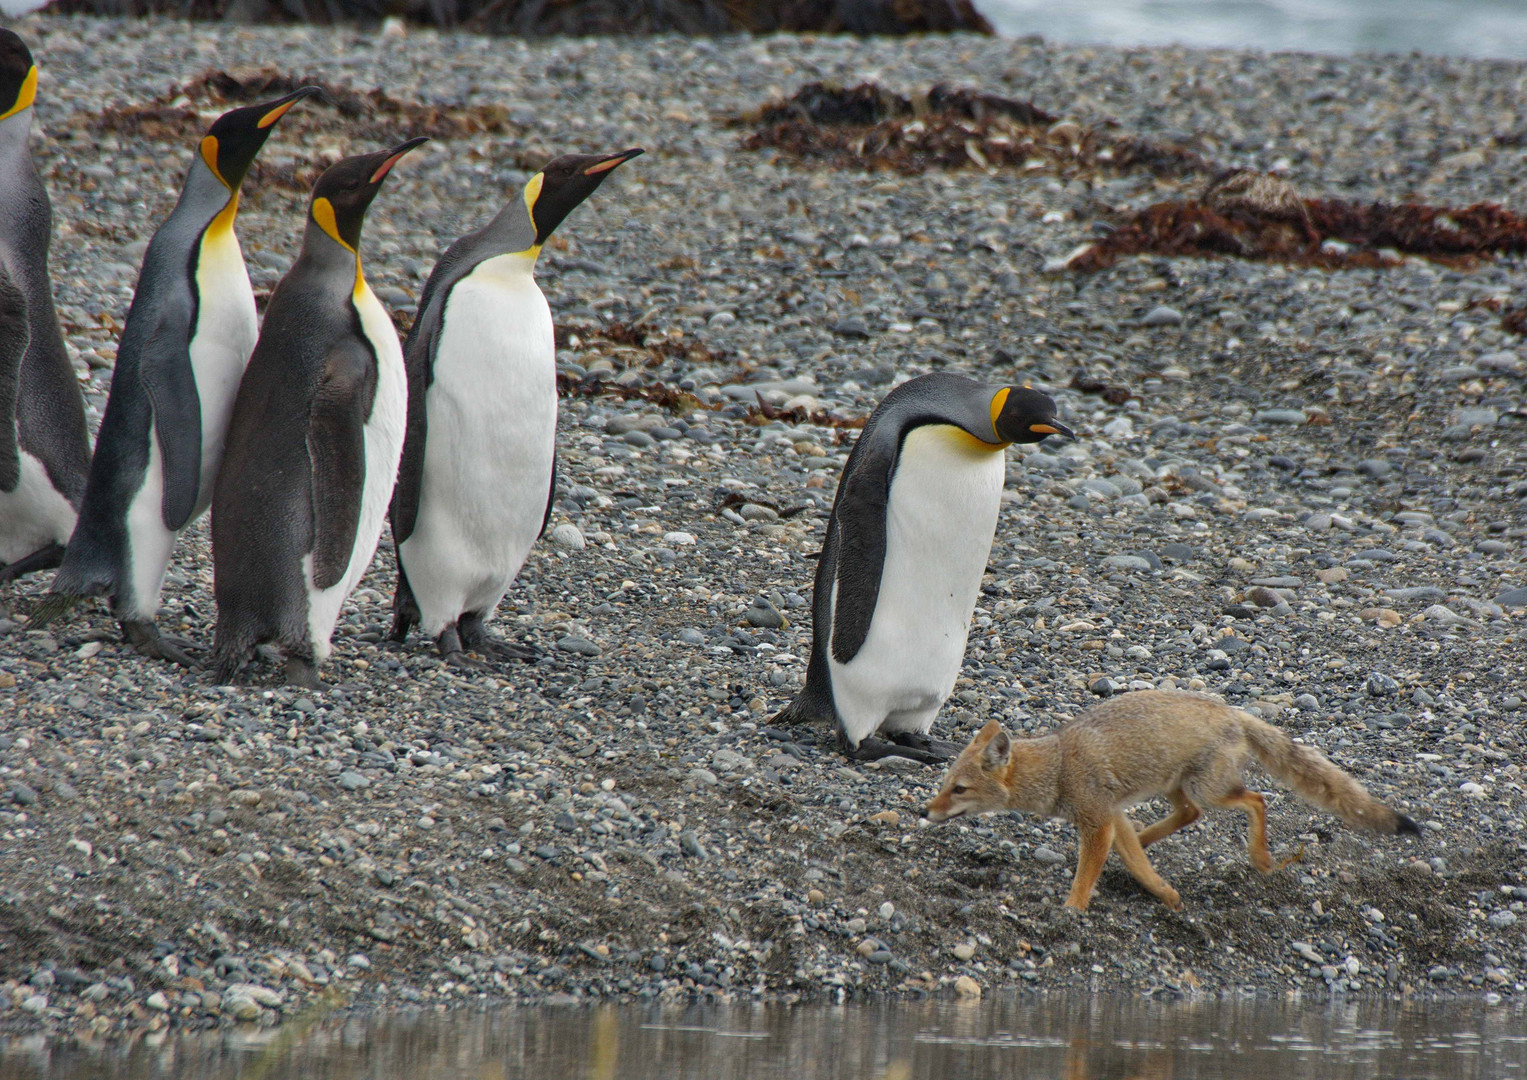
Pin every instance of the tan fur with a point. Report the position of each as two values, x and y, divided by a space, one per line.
1187 748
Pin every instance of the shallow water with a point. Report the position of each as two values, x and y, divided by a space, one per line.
1487 28
1077 1038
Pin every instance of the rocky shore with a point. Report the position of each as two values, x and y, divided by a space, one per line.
1303 489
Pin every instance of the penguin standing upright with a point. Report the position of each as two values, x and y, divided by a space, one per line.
906 547
44 444
479 462
314 441
188 335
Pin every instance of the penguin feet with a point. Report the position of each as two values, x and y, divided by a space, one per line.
146 640
917 740
301 671
44 558
451 652
875 748
475 637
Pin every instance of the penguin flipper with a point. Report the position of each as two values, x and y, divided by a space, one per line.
551 497
860 513
337 449
403 512
15 335
170 382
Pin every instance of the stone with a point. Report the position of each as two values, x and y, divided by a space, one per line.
1162 316
1048 856
968 988
351 780
764 615
1513 598
1280 416
579 645
567 537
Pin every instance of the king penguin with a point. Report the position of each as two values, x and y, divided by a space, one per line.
906 546
314 441
188 335
44 444
479 462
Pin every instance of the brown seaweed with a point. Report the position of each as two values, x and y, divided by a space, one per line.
361 114
1330 233
869 127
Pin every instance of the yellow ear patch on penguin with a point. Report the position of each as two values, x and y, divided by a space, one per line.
999 399
323 213
209 158
25 96
533 192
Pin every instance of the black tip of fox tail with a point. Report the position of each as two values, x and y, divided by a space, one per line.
51 607
1406 824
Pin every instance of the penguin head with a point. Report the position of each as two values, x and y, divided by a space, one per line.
18 75
565 182
233 140
1021 414
345 190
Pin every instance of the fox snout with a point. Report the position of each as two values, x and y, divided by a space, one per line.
939 808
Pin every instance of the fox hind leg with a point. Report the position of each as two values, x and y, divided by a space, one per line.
1095 842
1184 812
1127 844
1256 825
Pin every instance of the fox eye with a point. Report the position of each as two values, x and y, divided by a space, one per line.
958 789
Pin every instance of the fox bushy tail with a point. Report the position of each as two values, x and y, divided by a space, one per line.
1311 774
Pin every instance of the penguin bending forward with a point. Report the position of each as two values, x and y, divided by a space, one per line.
901 565
314 441
44 443
188 335
479 462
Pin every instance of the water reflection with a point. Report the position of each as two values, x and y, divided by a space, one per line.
1074 1038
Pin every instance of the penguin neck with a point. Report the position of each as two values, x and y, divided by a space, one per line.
15 139
206 198
335 258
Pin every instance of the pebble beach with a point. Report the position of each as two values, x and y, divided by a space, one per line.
1302 489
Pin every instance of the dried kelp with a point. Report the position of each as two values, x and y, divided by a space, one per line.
1256 216
360 114
869 127
1332 233
640 347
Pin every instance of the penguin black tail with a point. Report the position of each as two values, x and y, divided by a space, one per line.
805 709
405 609
52 606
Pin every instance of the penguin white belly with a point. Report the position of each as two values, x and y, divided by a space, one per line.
221 341
384 447
940 519
34 515
491 444
149 544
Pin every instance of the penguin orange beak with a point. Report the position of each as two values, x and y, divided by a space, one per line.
395 156
1053 427
613 160
280 108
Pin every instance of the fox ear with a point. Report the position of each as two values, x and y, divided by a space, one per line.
997 751
990 731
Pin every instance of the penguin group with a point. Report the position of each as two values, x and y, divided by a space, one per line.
291 430
304 433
